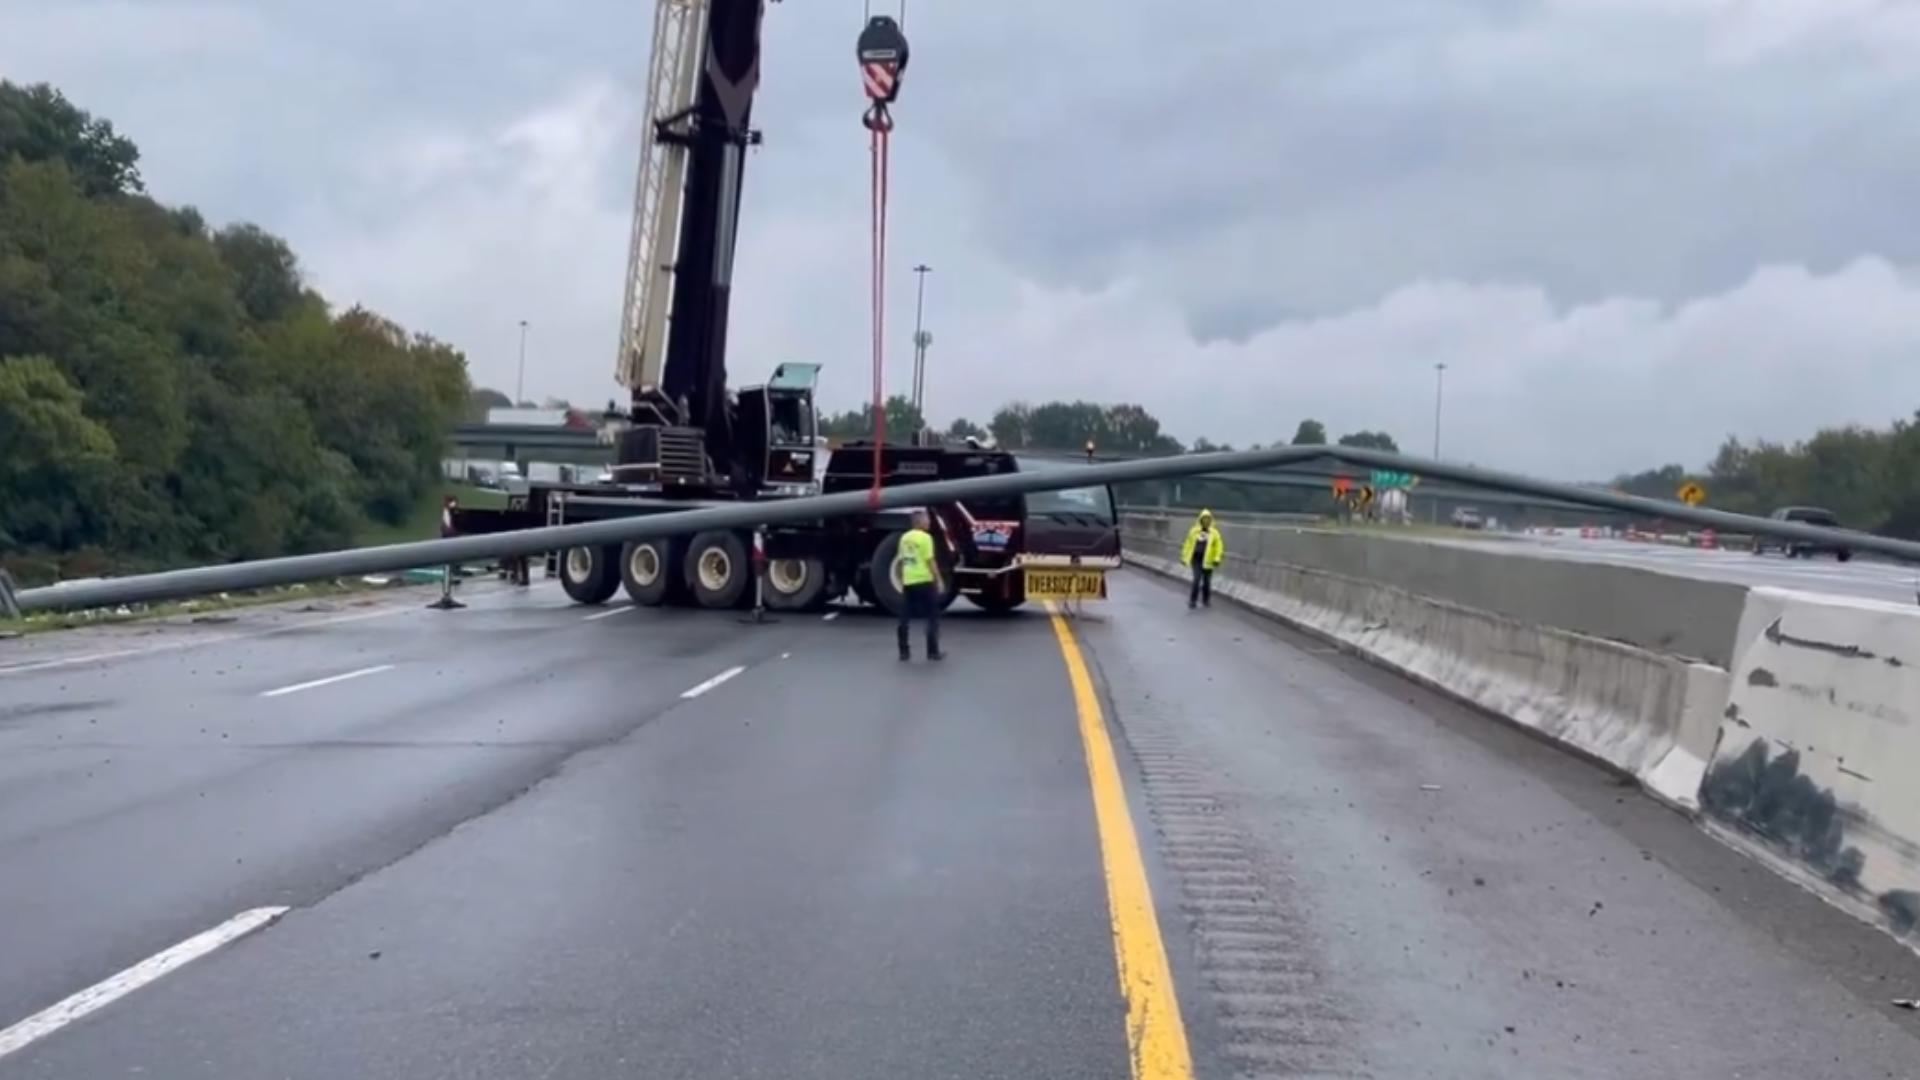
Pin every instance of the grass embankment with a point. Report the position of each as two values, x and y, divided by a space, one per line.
203 609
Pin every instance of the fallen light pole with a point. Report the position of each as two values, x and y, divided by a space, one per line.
197 581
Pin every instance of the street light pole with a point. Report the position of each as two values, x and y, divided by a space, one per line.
520 382
921 339
1439 390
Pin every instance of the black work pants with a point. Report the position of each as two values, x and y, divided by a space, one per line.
922 602
1202 591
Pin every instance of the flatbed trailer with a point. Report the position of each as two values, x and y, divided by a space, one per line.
999 552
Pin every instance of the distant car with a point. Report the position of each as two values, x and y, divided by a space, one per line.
1803 549
1466 517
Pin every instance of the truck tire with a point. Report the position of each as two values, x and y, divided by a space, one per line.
650 570
883 577
589 574
719 572
796 584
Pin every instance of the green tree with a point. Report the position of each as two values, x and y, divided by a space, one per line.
1010 425
483 399
962 429
241 417
55 463
38 123
1370 440
1310 433
1064 425
268 276
901 417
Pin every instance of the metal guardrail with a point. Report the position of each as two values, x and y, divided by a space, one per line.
196 581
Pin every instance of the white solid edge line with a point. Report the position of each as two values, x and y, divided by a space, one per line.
598 615
103 993
713 682
328 681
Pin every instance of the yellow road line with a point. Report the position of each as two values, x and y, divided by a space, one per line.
1156 1037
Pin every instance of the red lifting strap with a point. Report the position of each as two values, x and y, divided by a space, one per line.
883 60
882 144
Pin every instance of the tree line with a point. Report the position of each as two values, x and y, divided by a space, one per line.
1069 426
172 392
1869 477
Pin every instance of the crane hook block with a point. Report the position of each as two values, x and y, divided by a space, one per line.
883 58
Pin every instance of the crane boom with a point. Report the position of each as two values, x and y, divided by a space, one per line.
673 81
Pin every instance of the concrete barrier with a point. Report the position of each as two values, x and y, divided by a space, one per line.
1650 715
1803 748
1819 749
1637 606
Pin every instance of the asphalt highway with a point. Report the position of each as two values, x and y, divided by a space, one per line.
1870 578
530 839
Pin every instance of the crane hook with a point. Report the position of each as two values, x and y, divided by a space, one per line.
883 62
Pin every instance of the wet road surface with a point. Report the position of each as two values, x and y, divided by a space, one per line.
1864 577
512 846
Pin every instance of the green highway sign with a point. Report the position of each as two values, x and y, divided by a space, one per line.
1385 479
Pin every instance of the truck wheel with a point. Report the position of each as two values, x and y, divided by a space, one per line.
796 584
650 570
588 574
718 569
883 575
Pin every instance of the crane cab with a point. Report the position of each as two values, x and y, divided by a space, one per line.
776 427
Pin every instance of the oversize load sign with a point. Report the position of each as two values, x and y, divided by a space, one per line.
1066 584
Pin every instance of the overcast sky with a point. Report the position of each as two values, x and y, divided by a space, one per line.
1629 227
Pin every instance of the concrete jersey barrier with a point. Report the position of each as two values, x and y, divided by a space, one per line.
1637 606
1652 715
1802 749
1819 749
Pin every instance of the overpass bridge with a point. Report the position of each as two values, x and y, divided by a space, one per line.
1388 808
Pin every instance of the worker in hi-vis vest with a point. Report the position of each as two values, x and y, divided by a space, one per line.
1201 554
920 578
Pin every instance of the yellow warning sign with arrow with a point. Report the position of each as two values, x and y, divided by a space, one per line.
1692 494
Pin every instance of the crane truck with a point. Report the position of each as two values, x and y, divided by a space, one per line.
685 440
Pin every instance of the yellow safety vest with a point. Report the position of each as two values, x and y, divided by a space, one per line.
916 557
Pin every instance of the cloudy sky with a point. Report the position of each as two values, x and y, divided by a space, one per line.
1629 227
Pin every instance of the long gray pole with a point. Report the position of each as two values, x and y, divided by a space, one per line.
919 349
520 381
1439 388
196 581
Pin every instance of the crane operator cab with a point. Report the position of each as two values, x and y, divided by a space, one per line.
775 426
